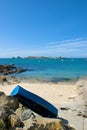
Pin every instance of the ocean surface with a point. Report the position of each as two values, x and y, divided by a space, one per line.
49 69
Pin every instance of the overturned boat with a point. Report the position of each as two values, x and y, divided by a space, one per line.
34 102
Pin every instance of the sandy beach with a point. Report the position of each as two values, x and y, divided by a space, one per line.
65 97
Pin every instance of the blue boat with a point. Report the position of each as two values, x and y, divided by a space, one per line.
34 102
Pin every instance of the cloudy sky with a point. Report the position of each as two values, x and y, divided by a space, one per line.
43 28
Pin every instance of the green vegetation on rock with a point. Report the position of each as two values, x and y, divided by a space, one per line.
2 125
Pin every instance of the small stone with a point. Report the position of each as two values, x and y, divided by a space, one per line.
79 114
2 93
19 128
3 79
64 108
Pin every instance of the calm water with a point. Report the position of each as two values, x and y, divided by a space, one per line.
50 69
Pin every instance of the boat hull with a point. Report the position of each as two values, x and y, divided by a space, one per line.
34 102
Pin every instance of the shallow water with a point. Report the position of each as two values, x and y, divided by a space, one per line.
50 69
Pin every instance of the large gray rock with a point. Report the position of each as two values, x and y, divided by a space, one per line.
7 105
4 112
8 101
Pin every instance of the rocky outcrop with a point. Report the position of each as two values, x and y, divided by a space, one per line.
47 124
10 69
15 116
7 105
8 79
3 79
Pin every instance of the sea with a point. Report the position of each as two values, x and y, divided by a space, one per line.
49 69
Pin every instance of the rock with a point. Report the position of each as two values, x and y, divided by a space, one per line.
69 127
18 57
24 113
3 79
8 80
4 113
80 83
79 113
2 93
12 79
2 125
47 124
10 69
8 103
19 128
82 89
19 70
64 108
14 120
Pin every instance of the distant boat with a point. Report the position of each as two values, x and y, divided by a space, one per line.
62 59
34 102
72 59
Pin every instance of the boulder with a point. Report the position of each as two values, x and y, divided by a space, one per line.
9 102
41 123
7 105
2 93
10 69
4 112
32 121
14 120
82 89
19 70
3 79
24 113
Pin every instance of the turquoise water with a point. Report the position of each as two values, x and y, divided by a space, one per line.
50 69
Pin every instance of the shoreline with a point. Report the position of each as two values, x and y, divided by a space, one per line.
40 80
11 79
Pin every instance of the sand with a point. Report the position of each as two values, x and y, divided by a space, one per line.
64 97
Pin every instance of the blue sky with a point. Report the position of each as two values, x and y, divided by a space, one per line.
43 28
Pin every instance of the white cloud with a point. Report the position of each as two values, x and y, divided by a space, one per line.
79 42
12 49
74 47
66 41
